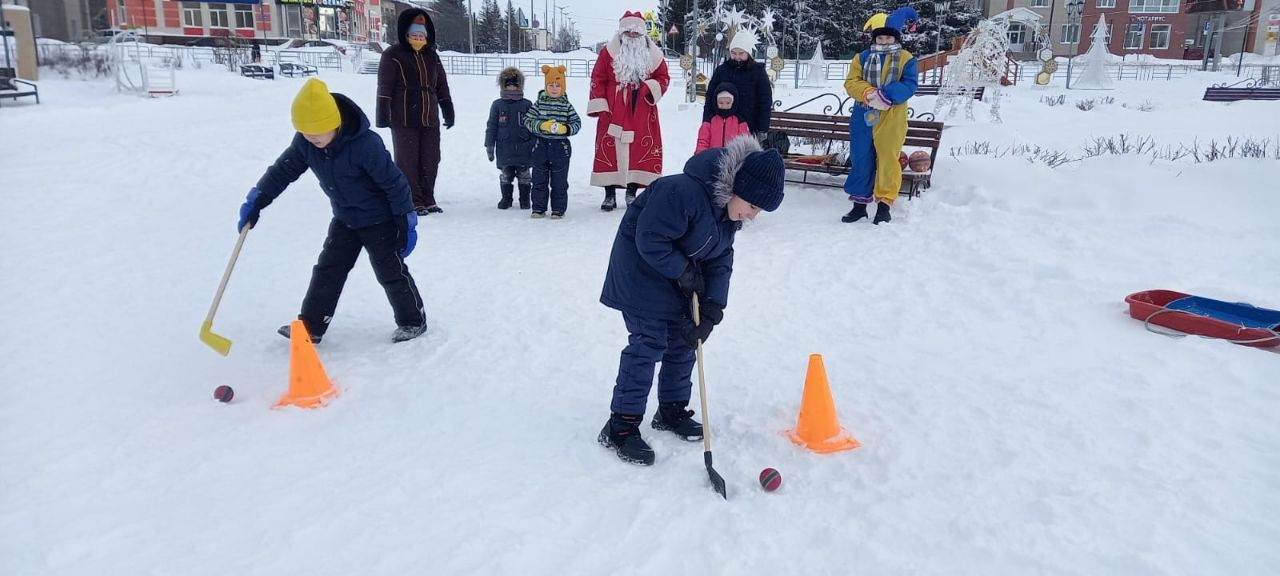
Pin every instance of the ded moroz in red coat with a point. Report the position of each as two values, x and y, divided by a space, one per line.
628 133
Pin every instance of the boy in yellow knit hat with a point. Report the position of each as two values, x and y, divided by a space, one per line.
552 120
372 209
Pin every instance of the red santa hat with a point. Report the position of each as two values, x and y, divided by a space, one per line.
631 21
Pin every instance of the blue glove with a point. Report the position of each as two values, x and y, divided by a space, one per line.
250 210
409 229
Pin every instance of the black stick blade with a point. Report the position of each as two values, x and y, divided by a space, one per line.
717 481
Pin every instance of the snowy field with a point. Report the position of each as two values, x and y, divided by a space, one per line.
1014 419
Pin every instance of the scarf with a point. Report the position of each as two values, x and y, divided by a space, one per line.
875 63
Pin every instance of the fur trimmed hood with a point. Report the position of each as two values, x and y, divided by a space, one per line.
509 73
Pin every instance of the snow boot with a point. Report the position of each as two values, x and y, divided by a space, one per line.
673 417
404 333
421 210
434 210
882 213
610 199
524 196
287 332
537 214
622 435
505 202
556 215
631 193
859 212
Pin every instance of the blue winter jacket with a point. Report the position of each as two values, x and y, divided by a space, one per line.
355 170
506 133
676 220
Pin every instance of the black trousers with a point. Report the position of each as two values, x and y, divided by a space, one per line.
417 154
382 242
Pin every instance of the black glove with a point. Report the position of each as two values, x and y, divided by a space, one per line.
489 151
446 110
710 315
691 282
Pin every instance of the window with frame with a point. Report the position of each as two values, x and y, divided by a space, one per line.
1153 6
1106 4
1017 33
244 16
293 21
1039 3
218 16
1070 34
122 14
1159 36
1133 36
191 15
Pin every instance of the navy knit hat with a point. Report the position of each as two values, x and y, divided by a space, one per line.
760 179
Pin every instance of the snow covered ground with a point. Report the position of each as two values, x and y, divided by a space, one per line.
1014 419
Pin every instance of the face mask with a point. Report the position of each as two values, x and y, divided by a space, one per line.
417 44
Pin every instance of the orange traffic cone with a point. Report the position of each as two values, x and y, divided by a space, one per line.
309 386
818 428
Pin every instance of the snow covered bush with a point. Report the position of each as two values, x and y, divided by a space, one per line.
1051 101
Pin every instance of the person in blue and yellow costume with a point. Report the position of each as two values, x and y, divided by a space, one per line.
881 80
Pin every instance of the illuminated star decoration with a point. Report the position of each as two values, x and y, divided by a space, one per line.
767 19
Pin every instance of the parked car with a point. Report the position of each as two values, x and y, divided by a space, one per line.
299 43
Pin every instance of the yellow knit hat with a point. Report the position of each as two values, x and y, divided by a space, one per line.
314 109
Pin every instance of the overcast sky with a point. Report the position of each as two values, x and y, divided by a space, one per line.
597 19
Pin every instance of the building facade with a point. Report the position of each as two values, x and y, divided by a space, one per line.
1160 28
175 21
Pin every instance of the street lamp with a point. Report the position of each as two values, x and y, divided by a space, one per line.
940 9
1075 10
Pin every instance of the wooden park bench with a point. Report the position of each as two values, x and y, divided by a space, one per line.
292 69
819 128
257 71
934 89
1250 89
15 88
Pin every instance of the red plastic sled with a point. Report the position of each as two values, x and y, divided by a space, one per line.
1239 323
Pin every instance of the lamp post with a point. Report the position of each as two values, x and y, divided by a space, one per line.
1075 10
940 9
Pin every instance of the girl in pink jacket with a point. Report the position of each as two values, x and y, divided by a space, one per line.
726 124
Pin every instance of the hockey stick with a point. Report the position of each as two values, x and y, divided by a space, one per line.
717 481
219 343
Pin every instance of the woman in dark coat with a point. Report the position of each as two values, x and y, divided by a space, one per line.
413 94
675 241
755 94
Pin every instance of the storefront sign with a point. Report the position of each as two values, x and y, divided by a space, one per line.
325 3
1148 18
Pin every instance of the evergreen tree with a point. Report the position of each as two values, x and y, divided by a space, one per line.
450 17
490 36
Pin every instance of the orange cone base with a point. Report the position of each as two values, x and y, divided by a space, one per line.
309 401
841 442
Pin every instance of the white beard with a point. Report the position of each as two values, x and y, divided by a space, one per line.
632 63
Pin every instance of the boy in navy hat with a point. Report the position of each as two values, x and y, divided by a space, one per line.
675 241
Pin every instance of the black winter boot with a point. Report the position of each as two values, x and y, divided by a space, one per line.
882 213
673 417
631 193
505 202
622 434
610 199
524 196
406 333
287 331
859 212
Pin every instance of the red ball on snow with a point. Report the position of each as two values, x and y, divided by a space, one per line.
920 161
902 159
224 394
770 479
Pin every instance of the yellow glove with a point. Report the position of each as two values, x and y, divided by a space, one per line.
547 126
561 129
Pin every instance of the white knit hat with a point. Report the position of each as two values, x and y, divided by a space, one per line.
744 39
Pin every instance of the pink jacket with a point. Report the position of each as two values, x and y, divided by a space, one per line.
717 131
